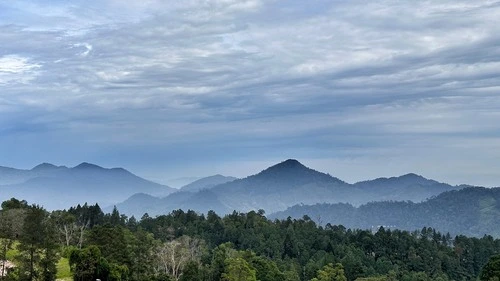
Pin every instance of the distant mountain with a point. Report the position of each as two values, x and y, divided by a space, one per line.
58 187
473 211
407 187
289 183
14 176
281 186
206 183
202 201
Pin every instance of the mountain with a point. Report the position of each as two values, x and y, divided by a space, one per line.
407 187
281 186
59 187
14 176
290 183
206 183
473 211
202 201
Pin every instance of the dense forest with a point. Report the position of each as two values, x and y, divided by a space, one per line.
185 245
472 211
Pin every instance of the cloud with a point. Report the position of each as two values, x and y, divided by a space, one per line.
223 80
16 69
88 48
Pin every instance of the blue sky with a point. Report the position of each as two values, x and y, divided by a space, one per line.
171 89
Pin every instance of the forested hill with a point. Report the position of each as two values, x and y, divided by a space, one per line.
284 185
186 246
473 211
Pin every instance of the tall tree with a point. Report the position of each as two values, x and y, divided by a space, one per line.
66 226
238 269
31 240
331 272
11 223
174 255
49 250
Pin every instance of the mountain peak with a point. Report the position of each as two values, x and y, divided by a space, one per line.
44 166
85 165
288 164
415 178
293 169
412 175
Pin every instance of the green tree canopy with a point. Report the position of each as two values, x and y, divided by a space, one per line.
491 271
331 272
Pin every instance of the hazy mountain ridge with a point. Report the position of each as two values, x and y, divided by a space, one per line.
201 201
289 183
411 187
207 183
471 211
15 176
59 187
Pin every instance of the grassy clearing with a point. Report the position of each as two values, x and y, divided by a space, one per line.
63 270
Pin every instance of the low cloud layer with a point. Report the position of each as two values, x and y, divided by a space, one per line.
353 88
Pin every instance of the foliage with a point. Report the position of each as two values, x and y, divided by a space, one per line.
188 246
479 210
238 269
491 270
331 273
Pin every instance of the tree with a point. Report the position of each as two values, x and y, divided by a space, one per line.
11 224
66 226
219 256
331 273
491 270
37 246
14 203
87 264
237 269
192 272
172 256
113 242
49 249
143 259
30 241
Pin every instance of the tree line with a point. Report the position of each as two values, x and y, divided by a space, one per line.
185 245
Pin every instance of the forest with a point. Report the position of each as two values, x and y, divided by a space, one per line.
471 211
84 243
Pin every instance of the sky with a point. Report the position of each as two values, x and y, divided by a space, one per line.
178 89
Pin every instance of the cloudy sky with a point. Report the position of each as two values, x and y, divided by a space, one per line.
170 89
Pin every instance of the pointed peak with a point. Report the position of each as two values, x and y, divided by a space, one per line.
290 163
85 165
44 166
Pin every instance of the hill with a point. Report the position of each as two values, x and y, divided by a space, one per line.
411 187
59 187
290 183
473 211
206 183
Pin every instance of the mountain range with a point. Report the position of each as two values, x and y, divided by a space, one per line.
287 189
284 185
60 187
